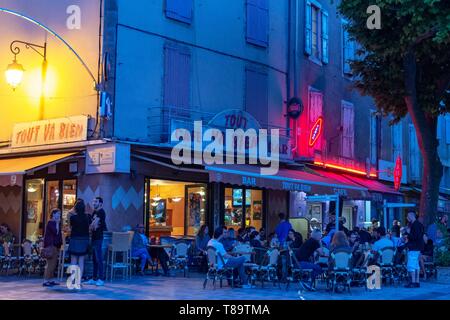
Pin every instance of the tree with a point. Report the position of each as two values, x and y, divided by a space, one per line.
405 67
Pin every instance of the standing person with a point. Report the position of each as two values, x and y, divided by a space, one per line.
396 229
79 236
97 227
283 228
415 245
52 244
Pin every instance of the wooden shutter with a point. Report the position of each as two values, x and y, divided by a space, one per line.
447 130
324 32
308 28
397 141
373 138
177 80
347 48
256 95
414 156
180 10
348 134
258 22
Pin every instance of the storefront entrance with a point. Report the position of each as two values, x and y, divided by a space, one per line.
243 208
174 208
41 197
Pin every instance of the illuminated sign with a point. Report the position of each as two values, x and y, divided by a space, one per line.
316 132
398 173
51 131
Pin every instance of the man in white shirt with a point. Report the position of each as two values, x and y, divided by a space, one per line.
236 263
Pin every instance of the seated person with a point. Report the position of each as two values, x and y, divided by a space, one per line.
255 240
140 250
306 253
6 236
202 239
228 240
383 242
242 235
339 243
294 239
327 239
235 263
274 242
262 234
364 236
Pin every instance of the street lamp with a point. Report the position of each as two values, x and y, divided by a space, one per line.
14 72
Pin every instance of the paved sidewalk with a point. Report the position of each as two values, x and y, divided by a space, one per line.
179 288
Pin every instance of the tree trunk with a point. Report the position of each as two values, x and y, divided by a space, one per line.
425 126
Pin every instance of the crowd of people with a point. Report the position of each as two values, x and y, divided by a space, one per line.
318 248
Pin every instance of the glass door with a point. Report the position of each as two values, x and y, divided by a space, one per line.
34 217
195 208
69 192
52 197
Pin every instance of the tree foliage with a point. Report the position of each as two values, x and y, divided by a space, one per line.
379 70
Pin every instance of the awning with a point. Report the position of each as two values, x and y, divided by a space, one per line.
9 168
288 180
373 185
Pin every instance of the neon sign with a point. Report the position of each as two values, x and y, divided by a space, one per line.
398 173
316 132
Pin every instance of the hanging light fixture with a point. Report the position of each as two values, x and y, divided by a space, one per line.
157 198
177 199
31 189
154 204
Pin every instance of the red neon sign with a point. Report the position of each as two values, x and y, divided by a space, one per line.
398 173
347 169
316 132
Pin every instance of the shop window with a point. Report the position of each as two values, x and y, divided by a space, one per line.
68 200
236 204
175 208
34 218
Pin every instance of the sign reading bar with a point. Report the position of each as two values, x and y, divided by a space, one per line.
52 131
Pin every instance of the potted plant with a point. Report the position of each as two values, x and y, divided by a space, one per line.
443 253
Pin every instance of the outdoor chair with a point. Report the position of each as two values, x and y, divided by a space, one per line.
214 272
179 257
297 274
359 269
10 260
120 244
340 272
386 262
266 266
27 260
400 271
430 268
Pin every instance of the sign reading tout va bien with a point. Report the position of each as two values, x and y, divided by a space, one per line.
52 131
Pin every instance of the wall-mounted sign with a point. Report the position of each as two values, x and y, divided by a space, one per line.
398 173
52 131
387 169
316 132
234 119
109 158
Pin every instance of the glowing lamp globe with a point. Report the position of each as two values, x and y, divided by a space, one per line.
14 74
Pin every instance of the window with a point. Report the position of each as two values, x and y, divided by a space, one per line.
175 208
414 156
348 51
348 134
256 95
258 22
316 32
180 10
315 112
374 129
236 204
397 141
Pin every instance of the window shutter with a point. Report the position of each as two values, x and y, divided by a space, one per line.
397 141
447 130
439 128
256 95
325 57
346 53
308 28
347 122
373 138
258 22
180 10
413 154
177 81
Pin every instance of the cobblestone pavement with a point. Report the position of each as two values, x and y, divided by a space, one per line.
179 288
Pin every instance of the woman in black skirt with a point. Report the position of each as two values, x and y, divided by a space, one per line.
79 236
